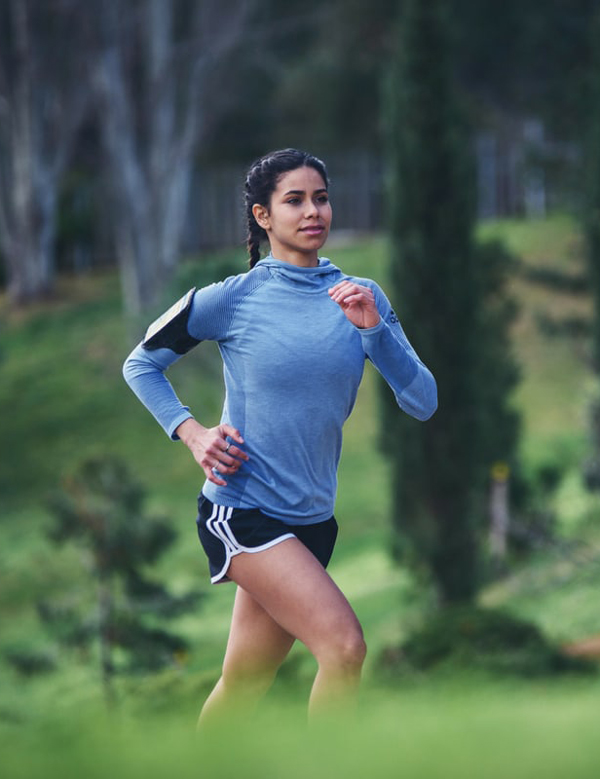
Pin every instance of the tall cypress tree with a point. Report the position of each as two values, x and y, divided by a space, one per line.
449 297
592 234
592 215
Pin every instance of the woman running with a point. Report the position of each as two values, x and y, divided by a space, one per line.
293 333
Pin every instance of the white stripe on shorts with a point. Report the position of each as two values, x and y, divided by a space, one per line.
218 525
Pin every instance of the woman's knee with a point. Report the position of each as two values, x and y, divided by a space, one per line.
354 650
345 649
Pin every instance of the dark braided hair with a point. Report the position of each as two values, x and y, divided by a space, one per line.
261 181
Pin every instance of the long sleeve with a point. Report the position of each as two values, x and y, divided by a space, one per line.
144 371
209 318
388 348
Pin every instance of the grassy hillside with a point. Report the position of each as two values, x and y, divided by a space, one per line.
62 398
556 382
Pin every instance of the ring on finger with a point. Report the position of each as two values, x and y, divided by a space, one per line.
228 447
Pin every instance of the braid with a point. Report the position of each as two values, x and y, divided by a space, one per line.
253 242
252 194
261 181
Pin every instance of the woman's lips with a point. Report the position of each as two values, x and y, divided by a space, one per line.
313 229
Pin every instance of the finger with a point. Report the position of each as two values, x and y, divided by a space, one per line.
223 467
349 291
349 300
219 468
352 300
230 432
229 449
213 475
339 290
225 453
233 456
341 284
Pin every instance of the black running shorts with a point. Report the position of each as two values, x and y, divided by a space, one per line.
225 532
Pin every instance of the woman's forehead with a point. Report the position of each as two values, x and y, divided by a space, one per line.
303 179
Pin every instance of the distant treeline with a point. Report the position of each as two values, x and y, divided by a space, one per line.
118 146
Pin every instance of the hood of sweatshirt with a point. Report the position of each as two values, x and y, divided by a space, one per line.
313 279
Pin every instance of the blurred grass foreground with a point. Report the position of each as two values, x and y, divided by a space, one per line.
444 730
62 400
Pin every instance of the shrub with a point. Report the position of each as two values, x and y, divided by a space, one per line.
487 639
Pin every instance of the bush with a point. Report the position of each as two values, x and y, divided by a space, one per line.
569 283
30 662
487 639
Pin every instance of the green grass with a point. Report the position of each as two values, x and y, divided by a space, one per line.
477 728
62 397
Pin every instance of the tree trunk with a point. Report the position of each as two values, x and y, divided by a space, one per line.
42 106
151 116
499 512
105 616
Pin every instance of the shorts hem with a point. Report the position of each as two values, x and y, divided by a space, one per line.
222 578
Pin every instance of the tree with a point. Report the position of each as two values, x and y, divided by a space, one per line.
450 298
591 221
43 98
158 85
101 509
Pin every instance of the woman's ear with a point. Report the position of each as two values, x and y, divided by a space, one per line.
261 214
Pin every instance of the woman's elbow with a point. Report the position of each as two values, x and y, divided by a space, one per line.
427 401
429 409
128 368
135 365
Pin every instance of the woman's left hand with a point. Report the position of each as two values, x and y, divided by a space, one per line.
357 303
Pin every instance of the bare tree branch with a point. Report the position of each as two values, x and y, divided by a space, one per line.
43 101
153 109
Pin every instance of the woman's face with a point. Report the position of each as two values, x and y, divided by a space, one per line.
298 218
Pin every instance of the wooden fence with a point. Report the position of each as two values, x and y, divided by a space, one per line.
512 180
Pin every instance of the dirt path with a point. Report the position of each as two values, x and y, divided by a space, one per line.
587 647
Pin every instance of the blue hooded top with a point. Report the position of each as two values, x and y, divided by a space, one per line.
292 365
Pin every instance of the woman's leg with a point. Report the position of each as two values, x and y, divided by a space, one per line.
294 589
256 647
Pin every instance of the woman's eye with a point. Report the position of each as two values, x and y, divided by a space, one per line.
323 199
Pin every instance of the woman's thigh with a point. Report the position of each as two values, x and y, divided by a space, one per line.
256 644
299 595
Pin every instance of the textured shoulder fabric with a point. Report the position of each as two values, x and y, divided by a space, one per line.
215 306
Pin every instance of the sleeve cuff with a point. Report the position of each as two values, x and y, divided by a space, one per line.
368 331
185 414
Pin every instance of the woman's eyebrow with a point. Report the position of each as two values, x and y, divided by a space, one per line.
302 192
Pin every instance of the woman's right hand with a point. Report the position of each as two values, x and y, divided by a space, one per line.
212 451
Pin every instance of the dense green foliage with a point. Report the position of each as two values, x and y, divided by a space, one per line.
488 639
449 292
316 74
101 509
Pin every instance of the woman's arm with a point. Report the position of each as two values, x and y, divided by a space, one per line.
387 347
144 372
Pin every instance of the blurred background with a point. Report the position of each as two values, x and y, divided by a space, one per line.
462 139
